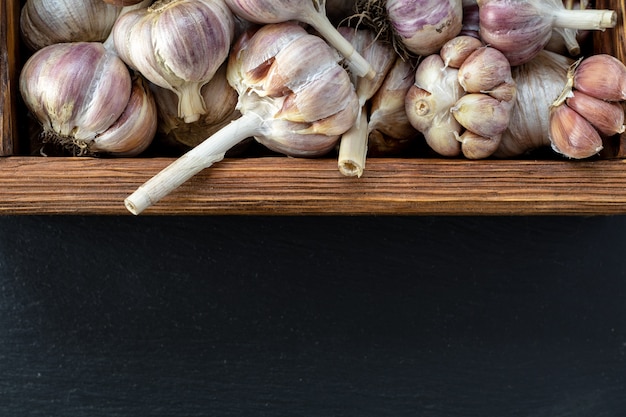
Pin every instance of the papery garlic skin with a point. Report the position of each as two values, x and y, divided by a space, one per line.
177 44
46 22
424 26
539 82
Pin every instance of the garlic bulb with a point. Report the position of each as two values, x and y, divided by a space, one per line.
177 44
45 22
390 132
522 28
428 102
381 56
311 12
305 117
221 102
85 99
415 27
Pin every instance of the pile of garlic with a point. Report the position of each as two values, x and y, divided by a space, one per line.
109 76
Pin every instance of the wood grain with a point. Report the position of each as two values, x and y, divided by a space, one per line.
9 61
254 186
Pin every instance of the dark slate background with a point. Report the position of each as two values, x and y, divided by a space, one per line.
313 316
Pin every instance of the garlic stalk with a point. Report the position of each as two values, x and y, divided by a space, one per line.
353 143
522 28
177 44
45 22
311 12
303 117
417 27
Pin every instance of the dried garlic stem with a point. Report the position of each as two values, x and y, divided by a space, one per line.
589 19
353 149
202 156
358 65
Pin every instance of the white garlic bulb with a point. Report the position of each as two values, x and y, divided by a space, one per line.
177 44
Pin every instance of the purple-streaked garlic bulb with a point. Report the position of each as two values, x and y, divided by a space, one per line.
86 100
44 22
522 28
418 27
179 45
294 98
311 12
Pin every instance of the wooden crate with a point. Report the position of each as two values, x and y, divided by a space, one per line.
287 186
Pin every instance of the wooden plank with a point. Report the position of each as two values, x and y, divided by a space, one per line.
288 186
9 61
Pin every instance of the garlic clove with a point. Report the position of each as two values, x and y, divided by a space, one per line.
282 76
318 98
601 76
506 91
475 146
606 116
458 49
134 130
484 69
428 103
572 135
441 137
482 114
